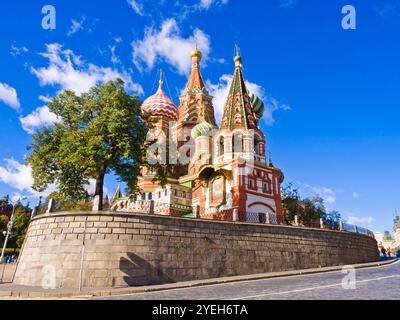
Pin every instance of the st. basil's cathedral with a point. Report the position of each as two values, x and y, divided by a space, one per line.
227 175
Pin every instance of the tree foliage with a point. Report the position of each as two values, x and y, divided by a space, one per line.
3 224
99 132
314 209
308 210
20 227
20 222
332 219
291 202
5 205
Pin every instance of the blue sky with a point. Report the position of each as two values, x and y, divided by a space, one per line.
332 94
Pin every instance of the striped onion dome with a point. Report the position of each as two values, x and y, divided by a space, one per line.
258 105
203 129
160 105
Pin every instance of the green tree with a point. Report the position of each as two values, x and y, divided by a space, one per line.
5 205
20 227
314 209
99 132
3 227
332 219
291 202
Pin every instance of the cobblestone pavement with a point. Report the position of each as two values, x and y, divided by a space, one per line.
371 284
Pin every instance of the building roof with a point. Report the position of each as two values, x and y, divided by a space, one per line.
195 82
203 129
195 101
238 111
160 105
258 106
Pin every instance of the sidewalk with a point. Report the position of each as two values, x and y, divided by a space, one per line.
9 290
6 271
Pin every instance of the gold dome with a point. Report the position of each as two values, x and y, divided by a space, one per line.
196 53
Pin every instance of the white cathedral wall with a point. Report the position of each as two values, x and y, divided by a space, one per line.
251 198
254 211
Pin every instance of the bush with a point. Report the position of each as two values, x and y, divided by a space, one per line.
75 206
9 251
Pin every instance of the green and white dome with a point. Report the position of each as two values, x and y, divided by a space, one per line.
258 105
203 129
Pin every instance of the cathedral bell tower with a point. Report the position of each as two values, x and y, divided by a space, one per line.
195 105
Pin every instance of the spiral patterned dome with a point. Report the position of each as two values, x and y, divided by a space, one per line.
258 105
203 129
160 105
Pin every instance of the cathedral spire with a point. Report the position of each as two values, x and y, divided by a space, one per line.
238 111
118 193
196 81
195 102
270 164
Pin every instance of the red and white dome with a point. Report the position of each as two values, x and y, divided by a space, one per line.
160 105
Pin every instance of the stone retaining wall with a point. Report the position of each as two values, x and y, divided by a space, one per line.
123 249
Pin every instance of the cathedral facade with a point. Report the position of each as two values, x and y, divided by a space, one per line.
215 171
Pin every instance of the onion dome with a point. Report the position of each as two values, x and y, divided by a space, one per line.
258 105
159 105
203 129
237 59
196 53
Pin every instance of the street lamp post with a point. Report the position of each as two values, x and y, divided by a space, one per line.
9 229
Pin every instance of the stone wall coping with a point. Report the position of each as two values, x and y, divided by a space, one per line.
204 221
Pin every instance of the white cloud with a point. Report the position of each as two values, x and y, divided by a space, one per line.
41 117
17 175
355 195
69 72
360 221
45 99
272 105
114 58
168 45
16 51
220 93
206 4
326 193
9 96
202 5
178 9
76 26
136 6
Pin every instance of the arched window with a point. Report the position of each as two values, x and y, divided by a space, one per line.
150 196
258 145
143 196
221 146
237 142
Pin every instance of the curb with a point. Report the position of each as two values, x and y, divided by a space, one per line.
183 285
